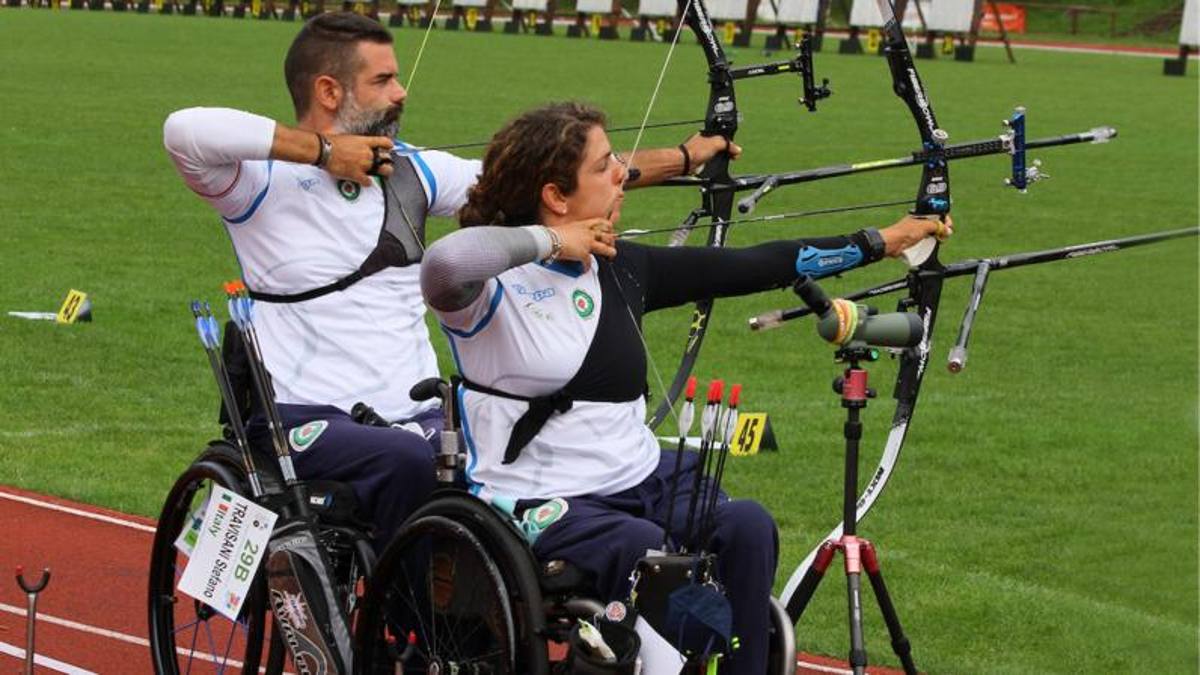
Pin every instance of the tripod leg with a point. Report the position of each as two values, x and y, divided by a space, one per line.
858 649
900 643
808 584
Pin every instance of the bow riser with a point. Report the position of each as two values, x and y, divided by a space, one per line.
934 195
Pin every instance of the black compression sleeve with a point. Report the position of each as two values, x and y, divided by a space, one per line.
674 276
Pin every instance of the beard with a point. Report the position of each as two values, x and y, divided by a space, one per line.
354 119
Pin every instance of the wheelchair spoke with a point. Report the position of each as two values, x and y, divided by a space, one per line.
229 643
192 650
463 622
188 636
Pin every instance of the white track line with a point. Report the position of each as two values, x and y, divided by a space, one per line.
809 665
44 661
115 635
77 512
142 641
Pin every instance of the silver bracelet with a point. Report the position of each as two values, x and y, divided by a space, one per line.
555 246
326 149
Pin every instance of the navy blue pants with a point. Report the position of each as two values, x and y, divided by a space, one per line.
607 535
390 470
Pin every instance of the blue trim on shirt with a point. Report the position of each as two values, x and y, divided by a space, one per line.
453 349
416 157
472 454
486 317
571 268
257 200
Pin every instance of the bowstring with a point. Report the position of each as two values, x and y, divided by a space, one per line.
637 141
662 387
412 74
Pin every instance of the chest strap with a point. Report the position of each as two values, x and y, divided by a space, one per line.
339 285
529 424
401 237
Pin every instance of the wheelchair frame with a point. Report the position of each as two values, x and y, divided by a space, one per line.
540 610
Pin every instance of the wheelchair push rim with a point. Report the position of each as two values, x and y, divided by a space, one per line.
187 636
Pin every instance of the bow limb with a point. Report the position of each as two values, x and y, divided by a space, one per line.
717 187
924 282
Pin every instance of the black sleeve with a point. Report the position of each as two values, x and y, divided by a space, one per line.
674 276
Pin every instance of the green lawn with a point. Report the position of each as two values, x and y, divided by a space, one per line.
1044 515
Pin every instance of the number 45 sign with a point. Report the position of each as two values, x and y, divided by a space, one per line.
753 433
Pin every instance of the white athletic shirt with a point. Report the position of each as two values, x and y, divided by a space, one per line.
294 228
527 334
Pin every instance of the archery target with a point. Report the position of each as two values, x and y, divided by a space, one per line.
656 8
1189 31
726 10
594 6
950 16
797 11
865 14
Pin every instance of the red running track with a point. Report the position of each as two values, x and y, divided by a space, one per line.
91 618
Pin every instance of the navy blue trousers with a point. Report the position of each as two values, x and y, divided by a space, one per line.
390 470
607 535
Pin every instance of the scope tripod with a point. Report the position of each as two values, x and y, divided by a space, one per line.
859 553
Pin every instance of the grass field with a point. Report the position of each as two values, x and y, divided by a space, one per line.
1044 516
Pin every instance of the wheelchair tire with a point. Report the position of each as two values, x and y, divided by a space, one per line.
781 654
185 634
459 517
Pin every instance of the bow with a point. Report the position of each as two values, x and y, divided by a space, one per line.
716 192
924 281
717 197
717 186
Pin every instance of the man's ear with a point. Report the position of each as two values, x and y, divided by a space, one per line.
327 93
553 199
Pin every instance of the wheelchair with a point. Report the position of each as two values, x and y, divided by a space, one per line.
457 590
188 636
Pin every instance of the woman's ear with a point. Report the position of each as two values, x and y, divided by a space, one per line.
553 199
327 93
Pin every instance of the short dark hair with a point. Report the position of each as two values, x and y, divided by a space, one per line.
328 45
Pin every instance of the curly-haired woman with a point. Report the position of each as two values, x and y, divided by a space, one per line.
542 305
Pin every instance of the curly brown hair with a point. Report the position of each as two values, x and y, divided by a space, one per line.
544 145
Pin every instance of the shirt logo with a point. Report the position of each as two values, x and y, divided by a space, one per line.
538 294
304 436
584 305
349 189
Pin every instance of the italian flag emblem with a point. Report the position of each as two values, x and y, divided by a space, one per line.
305 435
584 305
349 189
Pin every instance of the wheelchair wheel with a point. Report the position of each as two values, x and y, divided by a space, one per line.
781 654
459 585
187 636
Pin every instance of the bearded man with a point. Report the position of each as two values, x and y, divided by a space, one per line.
332 255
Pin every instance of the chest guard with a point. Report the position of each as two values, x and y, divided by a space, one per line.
401 237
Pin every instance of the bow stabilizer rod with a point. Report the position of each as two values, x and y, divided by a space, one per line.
1000 145
776 318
